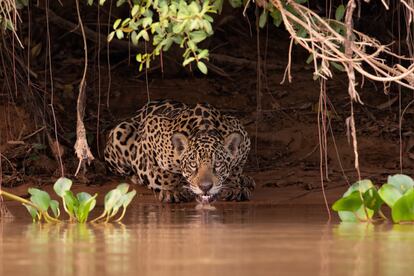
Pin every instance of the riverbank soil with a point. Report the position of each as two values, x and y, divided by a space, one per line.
282 118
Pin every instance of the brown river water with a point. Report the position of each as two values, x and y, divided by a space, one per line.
235 239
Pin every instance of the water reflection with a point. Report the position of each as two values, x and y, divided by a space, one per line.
236 239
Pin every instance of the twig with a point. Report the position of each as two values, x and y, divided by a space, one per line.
33 133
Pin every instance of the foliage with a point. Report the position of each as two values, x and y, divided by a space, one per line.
362 200
114 200
77 207
168 22
188 23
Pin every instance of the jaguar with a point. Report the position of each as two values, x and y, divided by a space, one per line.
182 152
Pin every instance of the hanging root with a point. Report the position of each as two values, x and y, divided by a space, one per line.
365 55
9 18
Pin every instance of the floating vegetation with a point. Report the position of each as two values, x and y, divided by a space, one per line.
363 200
43 209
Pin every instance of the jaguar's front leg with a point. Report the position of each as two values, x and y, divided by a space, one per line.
171 187
238 188
175 194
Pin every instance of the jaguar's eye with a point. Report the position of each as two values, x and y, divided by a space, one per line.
193 165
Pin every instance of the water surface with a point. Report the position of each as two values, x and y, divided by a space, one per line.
236 239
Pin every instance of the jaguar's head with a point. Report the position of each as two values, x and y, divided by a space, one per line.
206 160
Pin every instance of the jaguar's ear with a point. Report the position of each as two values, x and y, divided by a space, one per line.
179 142
232 142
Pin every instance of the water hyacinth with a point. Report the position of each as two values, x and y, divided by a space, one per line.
76 207
363 200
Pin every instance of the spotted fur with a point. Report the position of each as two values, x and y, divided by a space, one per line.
183 152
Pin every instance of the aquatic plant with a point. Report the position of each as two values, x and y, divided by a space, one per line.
363 200
77 207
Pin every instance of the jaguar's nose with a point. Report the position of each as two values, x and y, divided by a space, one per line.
206 186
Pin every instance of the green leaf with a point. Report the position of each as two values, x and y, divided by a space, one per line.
401 182
123 188
71 202
125 22
54 205
117 206
309 59
403 209
167 43
208 18
203 54
146 22
350 203
263 18
218 5
144 34
207 27
139 57
178 27
198 36
389 194
32 211
9 25
40 198
116 23
134 38
362 186
127 198
111 199
62 185
86 204
358 187
120 2
191 45
277 17
119 34
135 10
82 197
194 7
202 67
356 216
372 200
337 66
110 36
301 1
340 12
188 60
178 39
302 32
